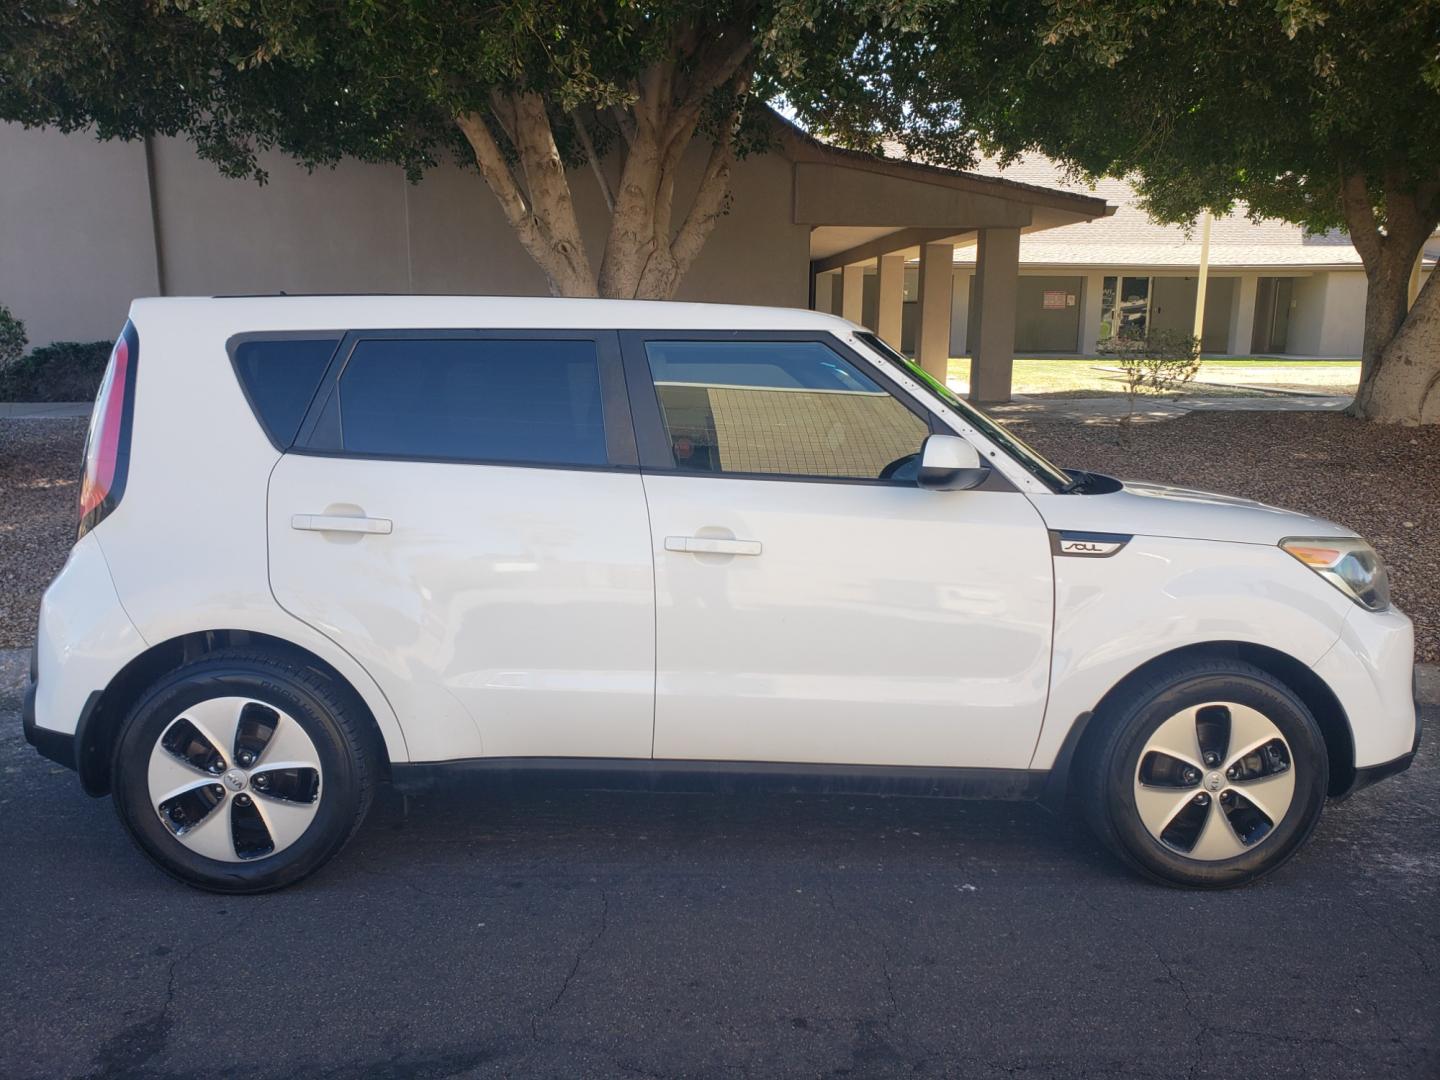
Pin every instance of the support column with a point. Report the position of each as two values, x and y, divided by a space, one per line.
960 313
1093 315
852 292
997 278
892 299
1242 316
825 292
1413 289
1202 281
932 342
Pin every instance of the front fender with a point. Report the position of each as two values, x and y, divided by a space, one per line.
1159 594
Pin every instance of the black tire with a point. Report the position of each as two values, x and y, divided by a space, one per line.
328 714
1108 780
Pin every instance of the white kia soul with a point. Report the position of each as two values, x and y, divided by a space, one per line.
328 542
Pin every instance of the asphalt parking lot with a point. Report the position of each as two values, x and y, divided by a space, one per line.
519 933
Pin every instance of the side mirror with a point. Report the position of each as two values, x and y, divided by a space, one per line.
949 463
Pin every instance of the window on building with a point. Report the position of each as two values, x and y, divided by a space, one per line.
1124 307
1107 308
1133 313
522 401
787 408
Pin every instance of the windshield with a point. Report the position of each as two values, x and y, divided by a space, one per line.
1033 461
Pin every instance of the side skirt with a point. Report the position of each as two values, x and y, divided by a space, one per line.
725 777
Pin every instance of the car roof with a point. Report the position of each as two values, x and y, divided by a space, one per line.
358 312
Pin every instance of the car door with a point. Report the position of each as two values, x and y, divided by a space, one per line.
813 603
462 512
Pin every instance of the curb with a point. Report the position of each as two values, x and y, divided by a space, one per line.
45 410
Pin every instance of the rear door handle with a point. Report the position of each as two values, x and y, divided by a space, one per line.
341 523
709 545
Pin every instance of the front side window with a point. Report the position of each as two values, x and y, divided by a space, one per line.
524 401
785 408
1029 458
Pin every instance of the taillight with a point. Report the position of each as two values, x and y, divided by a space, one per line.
107 443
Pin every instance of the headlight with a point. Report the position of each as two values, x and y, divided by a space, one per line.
1348 563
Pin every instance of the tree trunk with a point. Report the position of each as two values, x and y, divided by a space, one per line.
1405 385
541 212
1386 301
645 256
1388 257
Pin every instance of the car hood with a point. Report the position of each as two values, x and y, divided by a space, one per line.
1138 508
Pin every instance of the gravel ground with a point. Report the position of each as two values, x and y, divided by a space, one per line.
1382 481
39 489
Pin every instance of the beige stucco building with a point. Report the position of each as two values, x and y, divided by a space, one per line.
1271 289
942 263
85 226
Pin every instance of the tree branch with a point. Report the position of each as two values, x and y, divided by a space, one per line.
640 252
496 171
626 123
549 187
717 59
712 199
583 134
565 266
712 202
632 235
1360 219
504 112
718 63
1409 219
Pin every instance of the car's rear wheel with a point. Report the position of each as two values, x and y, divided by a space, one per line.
242 773
1209 774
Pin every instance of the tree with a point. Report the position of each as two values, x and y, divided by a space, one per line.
536 95
1325 113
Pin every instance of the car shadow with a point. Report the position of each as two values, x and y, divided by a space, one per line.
520 822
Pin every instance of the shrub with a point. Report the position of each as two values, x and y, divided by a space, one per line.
1164 361
64 371
1161 362
12 338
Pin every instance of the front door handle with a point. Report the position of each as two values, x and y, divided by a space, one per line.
709 545
341 523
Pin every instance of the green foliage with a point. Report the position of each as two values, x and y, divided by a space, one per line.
64 371
12 338
383 82
1205 102
1161 362
1324 113
1268 104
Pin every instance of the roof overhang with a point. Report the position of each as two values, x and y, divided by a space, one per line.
860 206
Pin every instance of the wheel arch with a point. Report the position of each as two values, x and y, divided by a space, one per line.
1296 676
106 709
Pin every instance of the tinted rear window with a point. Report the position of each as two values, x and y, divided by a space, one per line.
524 401
280 375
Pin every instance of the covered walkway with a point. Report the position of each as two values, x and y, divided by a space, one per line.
871 213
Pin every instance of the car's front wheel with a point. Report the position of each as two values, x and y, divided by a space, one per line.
242 773
1209 774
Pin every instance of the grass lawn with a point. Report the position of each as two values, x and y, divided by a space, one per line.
1233 377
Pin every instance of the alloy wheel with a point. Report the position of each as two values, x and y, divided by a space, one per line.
1214 780
235 779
